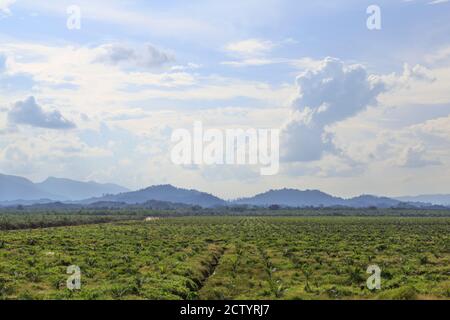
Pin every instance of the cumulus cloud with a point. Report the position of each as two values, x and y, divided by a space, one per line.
30 113
145 57
326 95
410 75
418 72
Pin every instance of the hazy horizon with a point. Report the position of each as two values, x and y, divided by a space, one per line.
249 194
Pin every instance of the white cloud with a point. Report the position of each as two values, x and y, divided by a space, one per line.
189 66
410 75
329 94
5 6
418 85
250 47
256 52
115 87
438 1
305 63
439 56
249 62
36 153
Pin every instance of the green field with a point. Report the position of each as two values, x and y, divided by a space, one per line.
231 258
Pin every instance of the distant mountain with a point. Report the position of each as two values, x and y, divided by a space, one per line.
435 199
166 193
292 198
366 201
18 188
315 198
76 190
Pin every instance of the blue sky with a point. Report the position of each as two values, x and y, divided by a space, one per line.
99 115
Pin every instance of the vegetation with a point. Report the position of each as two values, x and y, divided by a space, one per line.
32 221
230 258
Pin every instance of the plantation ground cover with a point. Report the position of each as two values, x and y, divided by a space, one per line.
231 258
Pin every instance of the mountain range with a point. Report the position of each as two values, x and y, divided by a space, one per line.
315 198
13 188
166 193
292 198
16 190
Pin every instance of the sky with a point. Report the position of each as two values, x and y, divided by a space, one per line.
360 111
